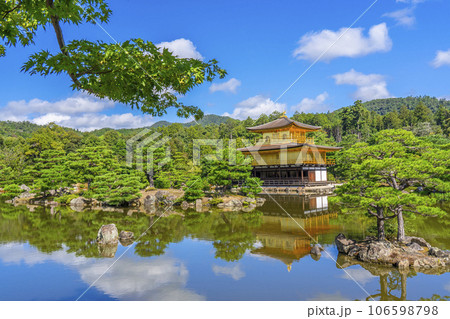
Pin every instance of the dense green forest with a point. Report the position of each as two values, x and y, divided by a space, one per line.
383 106
49 159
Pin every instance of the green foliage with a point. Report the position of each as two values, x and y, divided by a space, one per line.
49 157
221 173
355 119
134 72
392 121
251 186
11 191
52 137
215 201
384 106
383 176
118 187
65 199
50 171
16 129
422 113
194 190
91 161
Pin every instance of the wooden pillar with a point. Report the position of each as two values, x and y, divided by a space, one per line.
301 170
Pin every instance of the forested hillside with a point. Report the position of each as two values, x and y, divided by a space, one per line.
23 129
383 106
380 107
50 158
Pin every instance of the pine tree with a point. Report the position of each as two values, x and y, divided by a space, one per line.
51 171
117 187
422 113
91 161
387 174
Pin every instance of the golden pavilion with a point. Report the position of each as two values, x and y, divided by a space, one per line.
285 156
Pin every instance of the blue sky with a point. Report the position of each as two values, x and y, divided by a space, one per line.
396 49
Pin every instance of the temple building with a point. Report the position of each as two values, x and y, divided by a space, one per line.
285 156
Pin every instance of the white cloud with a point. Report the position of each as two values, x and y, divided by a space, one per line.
442 58
234 272
159 278
361 275
79 112
343 43
370 86
337 296
403 16
230 86
79 103
94 121
51 117
254 107
410 1
182 48
312 105
447 286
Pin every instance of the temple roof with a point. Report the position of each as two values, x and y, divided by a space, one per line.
280 123
272 147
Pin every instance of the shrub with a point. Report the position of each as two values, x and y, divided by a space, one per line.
215 201
11 191
194 190
65 199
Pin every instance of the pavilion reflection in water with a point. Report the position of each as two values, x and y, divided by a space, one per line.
280 235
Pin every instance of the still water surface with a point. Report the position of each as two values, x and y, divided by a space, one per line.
261 255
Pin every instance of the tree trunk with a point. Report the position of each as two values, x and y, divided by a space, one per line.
380 227
380 224
150 179
383 288
404 277
401 226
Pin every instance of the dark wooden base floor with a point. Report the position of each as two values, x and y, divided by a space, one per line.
292 182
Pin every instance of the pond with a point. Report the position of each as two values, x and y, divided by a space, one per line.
51 254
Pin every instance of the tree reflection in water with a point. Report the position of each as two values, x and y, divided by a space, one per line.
392 281
50 230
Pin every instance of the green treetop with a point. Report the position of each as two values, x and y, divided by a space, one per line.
422 113
51 171
134 72
91 161
392 176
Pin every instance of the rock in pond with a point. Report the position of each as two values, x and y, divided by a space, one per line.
315 250
108 235
126 235
107 251
396 254
126 238
436 252
184 205
198 205
79 202
343 244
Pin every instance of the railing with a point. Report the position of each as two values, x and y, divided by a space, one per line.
263 162
284 182
291 182
308 140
